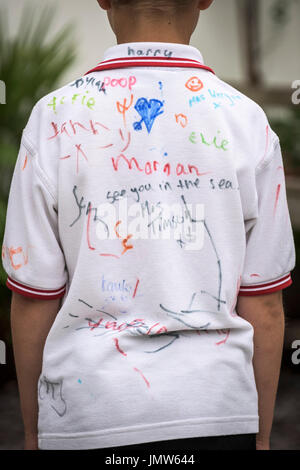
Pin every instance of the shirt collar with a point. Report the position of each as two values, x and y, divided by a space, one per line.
163 50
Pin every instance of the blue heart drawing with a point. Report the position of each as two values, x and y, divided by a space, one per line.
148 110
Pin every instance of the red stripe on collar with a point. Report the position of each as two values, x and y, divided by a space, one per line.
125 62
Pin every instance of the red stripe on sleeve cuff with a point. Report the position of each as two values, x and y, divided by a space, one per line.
35 293
267 288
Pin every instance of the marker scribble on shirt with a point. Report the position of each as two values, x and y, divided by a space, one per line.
25 162
144 378
123 287
136 327
220 275
214 142
194 84
225 98
149 52
216 297
20 253
71 128
226 332
125 240
52 392
88 229
78 98
178 316
161 89
89 208
123 108
126 141
116 341
159 220
222 185
118 195
266 145
216 98
85 303
154 166
89 81
181 119
79 151
149 111
123 82
278 189
136 287
119 290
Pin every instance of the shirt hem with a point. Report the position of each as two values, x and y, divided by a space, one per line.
150 433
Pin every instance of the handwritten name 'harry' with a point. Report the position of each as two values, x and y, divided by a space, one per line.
149 52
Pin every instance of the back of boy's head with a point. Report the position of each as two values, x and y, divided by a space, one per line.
180 17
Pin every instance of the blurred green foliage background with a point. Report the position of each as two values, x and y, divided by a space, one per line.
31 65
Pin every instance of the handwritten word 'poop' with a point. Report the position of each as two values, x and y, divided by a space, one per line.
123 82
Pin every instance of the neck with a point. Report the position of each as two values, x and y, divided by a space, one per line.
148 35
141 28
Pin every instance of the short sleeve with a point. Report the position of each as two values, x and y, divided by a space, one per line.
270 251
31 253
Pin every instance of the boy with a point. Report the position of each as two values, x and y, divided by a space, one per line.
148 241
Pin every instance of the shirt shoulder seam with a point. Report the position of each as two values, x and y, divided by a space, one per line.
269 158
26 141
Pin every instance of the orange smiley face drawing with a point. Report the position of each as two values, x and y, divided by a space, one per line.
194 84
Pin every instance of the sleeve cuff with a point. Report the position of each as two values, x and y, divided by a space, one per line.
267 288
35 293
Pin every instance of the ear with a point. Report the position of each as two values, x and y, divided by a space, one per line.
204 4
105 4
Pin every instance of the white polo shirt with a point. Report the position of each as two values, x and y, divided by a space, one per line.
148 194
